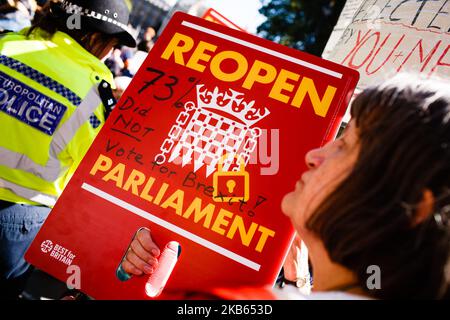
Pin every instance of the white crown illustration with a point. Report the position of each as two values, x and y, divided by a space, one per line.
231 102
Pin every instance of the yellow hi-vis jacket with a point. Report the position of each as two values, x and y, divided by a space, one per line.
50 112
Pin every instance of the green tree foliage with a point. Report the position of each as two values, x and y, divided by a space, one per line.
302 24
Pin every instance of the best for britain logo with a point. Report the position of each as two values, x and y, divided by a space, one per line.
46 246
58 252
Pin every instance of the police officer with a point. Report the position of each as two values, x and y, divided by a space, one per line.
54 95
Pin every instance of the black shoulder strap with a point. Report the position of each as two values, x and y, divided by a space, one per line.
107 97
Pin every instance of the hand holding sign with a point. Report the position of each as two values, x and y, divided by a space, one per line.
142 254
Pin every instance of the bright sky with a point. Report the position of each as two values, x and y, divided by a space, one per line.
244 13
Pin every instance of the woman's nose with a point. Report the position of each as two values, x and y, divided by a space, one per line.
314 158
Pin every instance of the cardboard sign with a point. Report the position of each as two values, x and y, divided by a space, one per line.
386 37
201 149
214 16
345 18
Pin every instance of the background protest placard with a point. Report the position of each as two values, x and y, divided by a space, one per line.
345 18
202 147
386 37
215 16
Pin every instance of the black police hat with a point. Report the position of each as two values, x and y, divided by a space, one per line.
106 16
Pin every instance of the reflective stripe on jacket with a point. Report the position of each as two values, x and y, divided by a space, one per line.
50 112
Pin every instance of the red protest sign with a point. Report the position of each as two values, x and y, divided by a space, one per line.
215 16
201 149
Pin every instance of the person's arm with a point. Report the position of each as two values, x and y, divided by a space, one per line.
296 267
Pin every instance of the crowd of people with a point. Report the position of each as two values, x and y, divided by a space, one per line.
18 14
125 61
379 195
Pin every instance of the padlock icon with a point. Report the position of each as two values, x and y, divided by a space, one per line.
231 186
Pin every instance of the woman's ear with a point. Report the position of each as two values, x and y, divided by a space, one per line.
425 207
